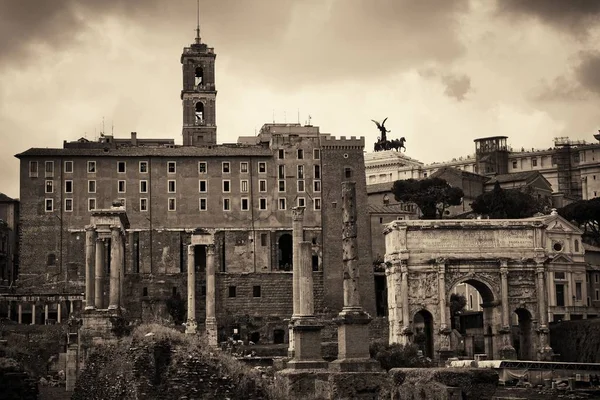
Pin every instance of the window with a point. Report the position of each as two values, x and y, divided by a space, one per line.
559 275
262 203
171 167
91 167
68 167
263 239
33 169
202 186
143 167
49 186
202 167
262 167
281 154
281 172
121 186
560 295
578 293
202 204
514 164
348 172
245 204
301 202
244 167
91 186
91 204
68 205
317 172
225 167
281 204
300 186
281 186
596 277
317 203
597 294
231 291
262 185
244 186
68 186
534 162
576 246
171 186
143 186
49 168
316 154
316 186
300 154
226 205
300 172
172 204
226 186
255 291
199 113
143 204
121 167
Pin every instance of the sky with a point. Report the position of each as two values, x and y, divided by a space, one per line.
443 72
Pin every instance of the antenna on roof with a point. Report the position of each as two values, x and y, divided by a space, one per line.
112 128
298 115
309 118
198 22
273 115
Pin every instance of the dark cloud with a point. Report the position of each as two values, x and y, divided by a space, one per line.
588 71
560 89
291 42
456 85
575 16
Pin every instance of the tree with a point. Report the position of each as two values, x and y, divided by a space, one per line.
457 304
433 195
508 203
586 214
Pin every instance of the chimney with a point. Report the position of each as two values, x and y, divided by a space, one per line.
134 138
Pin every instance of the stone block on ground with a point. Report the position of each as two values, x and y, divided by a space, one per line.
358 385
302 384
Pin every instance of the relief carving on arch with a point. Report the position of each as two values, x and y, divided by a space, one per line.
423 288
522 287
491 279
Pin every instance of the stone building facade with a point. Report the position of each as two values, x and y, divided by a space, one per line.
533 268
182 201
9 240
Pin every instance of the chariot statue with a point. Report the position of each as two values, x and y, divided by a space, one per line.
383 143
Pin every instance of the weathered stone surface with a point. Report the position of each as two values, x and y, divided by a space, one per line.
442 383
301 384
358 385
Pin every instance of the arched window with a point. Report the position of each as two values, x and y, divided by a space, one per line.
199 76
199 112
51 259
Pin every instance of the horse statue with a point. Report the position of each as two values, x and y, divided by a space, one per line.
398 144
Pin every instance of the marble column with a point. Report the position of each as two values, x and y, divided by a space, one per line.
116 263
444 330
353 321
9 309
32 313
191 324
45 314
545 351
306 329
59 312
71 307
90 246
297 237
211 293
406 332
99 267
507 351
19 313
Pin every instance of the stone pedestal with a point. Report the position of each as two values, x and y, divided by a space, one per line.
506 351
353 343
307 345
72 367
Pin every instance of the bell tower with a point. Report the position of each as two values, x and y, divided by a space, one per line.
199 94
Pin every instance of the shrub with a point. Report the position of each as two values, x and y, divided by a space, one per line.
398 355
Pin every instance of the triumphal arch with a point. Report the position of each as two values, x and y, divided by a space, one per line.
507 261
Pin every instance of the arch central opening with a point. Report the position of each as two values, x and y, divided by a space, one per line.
472 311
423 327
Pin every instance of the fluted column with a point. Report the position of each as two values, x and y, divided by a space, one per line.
191 324
90 246
545 351
116 263
507 351
99 267
211 293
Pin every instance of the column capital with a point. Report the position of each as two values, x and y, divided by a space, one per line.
539 269
298 213
90 228
210 249
190 248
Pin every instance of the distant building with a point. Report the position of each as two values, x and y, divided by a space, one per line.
9 241
240 195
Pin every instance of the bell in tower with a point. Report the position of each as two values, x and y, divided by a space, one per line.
199 94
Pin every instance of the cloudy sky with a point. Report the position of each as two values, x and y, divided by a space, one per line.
443 71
